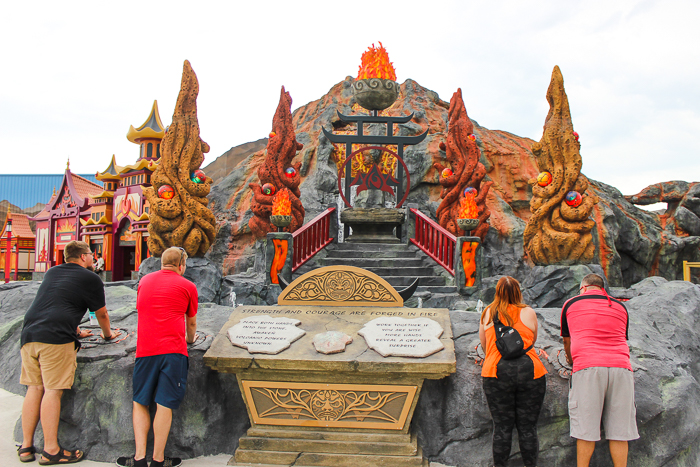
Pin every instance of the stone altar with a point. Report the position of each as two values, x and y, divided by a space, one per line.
351 408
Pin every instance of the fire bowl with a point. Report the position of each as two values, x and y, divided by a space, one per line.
280 221
375 93
467 224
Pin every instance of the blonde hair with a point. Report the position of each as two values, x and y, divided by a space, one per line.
507 294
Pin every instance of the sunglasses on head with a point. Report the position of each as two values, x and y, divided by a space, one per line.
182 253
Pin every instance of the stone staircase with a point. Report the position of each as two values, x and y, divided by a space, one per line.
399 265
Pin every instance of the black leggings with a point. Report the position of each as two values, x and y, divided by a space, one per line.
515 400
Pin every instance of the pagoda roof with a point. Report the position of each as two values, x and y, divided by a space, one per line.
111 172
152 127
20 226
104 194
140 165
80 189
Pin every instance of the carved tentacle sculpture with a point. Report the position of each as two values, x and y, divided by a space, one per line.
275 170
559 230
463 155
183 220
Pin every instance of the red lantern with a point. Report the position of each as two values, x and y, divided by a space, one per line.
268 189
166 192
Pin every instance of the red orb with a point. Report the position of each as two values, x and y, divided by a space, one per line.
166 192
573 199
544 178
290 172
268 189
198 176
470 191
272 134
472 137
446 173
442 146
576 135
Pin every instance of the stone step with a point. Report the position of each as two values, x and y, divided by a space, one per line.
326 446
400 270
373 246
446 289
371 254
373 262
399 282
362 437
314 459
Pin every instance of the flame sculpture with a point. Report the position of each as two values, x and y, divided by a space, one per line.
557 232
467 207
281 206
463 155
278 170
376 64
183 220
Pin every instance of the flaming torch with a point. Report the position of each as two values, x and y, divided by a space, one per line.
375 87
467 217
281 210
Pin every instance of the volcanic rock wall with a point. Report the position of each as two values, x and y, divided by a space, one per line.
630 244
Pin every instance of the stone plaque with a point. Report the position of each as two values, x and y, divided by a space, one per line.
264 334
399 337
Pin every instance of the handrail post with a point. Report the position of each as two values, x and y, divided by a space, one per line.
467 264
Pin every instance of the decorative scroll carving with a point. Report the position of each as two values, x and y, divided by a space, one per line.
329 405
278 170
559 231
183 219
466 171
340 285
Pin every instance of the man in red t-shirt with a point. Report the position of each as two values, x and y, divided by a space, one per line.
595 327
167 322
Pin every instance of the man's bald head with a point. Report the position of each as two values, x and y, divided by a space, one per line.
173 257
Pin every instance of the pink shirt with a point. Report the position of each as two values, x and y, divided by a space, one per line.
597 326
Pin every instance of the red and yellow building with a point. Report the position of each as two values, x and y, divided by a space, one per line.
22 246
112 218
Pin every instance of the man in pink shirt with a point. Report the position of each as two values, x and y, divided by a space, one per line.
595 331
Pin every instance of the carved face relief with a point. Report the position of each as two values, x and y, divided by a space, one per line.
327 405
339 286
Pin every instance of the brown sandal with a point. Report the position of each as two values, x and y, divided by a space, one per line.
61 458
31 450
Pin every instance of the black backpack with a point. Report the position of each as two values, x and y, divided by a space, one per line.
508 341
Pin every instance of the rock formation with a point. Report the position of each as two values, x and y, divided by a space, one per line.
278 172
559 231
465 171
181 217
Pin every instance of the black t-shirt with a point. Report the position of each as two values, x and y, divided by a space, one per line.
66 292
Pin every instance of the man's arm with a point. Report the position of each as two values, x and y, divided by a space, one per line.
567 349
103 321
191 328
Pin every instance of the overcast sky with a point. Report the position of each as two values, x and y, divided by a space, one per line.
75 75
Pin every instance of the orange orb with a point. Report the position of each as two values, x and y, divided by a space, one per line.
446 173
544 178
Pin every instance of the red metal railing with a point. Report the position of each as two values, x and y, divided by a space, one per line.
435 241
311 238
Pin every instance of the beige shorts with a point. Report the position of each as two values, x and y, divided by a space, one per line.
603 392
49 365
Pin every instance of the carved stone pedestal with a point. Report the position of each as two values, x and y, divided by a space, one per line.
347 409
373 225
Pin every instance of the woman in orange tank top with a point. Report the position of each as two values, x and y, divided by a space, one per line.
514 388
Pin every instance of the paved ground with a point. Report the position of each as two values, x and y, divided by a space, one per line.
10 410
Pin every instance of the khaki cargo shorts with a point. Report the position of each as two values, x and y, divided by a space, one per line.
607 393
49 365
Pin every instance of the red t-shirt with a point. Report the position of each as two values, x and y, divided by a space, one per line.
164 297
597 326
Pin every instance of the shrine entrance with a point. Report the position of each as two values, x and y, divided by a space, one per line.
124 252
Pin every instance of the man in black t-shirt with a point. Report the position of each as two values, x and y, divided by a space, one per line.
49 346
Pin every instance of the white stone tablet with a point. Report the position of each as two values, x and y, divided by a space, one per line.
399 337
264 334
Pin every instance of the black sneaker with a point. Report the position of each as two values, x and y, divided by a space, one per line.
167 462
131 462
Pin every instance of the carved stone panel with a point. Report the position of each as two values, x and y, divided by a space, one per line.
264 334
329 405
399 337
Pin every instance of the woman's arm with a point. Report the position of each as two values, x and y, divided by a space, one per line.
482 333
529 319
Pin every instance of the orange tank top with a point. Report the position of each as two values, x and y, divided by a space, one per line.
493 356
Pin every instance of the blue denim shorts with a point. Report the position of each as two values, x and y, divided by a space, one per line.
161 378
